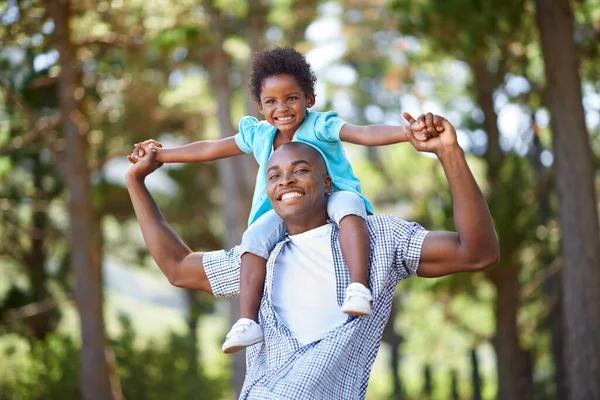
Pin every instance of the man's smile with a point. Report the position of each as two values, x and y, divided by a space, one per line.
289 195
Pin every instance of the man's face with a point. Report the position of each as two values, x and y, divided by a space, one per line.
297 182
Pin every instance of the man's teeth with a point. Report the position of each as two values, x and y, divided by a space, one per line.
290 195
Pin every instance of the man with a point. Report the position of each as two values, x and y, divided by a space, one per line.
312 350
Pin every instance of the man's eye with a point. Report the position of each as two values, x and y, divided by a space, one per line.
301 170
272 177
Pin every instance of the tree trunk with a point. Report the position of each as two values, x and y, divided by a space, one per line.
475 375
192 323
95 379
578 215
552 285
391 337
514 363
454 385
427 382
237 189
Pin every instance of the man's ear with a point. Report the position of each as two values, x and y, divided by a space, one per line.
328 184
310 100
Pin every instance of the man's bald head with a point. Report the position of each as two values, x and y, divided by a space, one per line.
301 149
297 186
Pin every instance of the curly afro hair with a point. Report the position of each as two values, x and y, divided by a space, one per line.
278 61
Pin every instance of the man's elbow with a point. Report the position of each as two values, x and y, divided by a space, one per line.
485 260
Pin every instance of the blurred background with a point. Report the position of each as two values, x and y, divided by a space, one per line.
86 313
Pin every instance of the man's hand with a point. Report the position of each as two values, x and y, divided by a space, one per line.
142 166
441 135
141 149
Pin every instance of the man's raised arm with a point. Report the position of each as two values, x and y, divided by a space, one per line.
181 266
475 245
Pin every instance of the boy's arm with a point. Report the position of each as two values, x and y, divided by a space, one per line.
201 151
381 135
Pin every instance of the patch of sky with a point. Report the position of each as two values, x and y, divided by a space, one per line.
374 114
331 8
425 87
479 141
14 55
500 100
343 105
398 58
274 34
342 75
321 95
48 27
433 106
547 158
514 124
45 60
10 15
458 71
323 55
516 85
324 29
592 119
591 98
411 104
175 77
179 54
542 117
463 139
354 16
394 118
37 39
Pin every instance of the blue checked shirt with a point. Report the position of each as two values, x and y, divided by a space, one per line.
338 366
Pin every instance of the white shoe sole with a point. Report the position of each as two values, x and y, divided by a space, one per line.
235 347
358 311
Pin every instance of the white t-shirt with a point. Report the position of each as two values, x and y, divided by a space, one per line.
304 286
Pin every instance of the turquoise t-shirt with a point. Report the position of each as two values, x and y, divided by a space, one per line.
321 131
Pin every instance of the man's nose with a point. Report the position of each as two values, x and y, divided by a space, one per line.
287 178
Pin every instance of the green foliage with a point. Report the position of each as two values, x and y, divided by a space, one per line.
49 369
162 370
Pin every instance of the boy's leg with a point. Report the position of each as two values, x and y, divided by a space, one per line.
257 242
354 242
348 210
252 282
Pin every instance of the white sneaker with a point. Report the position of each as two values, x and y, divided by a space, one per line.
243 333
358 300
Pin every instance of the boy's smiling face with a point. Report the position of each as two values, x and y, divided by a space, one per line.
284 103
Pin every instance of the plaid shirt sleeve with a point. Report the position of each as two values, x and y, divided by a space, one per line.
223 271
409 240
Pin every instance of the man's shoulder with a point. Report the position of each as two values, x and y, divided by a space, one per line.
386 224
383 220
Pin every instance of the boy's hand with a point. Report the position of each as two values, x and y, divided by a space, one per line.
441 134
141 149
